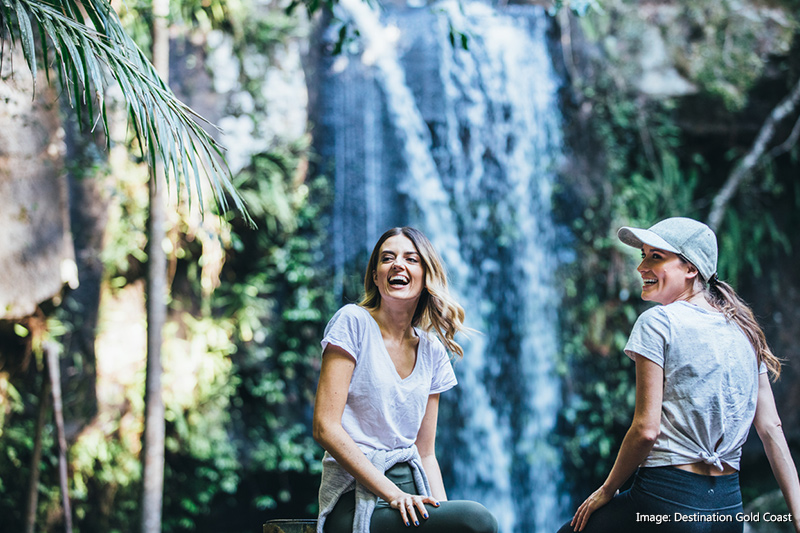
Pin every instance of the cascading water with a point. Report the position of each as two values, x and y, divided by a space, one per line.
463 143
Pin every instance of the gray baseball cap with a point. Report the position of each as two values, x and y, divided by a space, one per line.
685 236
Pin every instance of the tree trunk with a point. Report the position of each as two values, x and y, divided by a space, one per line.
154 425
36 460
54 371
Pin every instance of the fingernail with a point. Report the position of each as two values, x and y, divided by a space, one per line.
436 504
416 523
407 524
425 515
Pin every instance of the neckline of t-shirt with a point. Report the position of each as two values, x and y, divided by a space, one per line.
698 308
386 352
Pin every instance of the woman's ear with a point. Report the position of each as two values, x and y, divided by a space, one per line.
691 272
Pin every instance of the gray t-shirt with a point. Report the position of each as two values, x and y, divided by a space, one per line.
710 383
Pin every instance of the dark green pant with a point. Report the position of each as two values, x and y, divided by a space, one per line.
459 516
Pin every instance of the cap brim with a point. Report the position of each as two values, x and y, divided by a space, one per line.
637 237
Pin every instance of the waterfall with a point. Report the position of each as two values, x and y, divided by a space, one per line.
463 143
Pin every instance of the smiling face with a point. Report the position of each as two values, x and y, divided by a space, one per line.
399 273
665 276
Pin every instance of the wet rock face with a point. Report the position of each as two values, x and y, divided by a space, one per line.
36 254
260 98
668 49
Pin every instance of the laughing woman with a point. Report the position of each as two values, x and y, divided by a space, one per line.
384 364
702 366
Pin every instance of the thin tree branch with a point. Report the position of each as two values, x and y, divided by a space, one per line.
36 460
54 371
745 167
790 141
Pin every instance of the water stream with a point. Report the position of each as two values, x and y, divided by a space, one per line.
462 143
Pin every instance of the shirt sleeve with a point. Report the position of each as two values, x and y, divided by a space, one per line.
345 330
650 336
443 378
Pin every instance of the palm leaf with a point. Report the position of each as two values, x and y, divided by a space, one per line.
26 36
166 128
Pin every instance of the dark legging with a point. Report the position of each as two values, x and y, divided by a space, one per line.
669 500
458 516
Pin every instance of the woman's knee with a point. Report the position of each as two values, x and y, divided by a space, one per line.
470 517
484 520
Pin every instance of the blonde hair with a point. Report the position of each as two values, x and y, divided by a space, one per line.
722 296
436 308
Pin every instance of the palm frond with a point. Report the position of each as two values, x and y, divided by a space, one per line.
166 128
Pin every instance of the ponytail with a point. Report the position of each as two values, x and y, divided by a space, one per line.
724 298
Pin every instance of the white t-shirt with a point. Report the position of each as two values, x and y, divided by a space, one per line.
383 411
710 383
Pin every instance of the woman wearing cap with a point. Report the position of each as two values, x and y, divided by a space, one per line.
702 366
378 398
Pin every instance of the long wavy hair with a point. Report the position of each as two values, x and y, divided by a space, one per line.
436 309
723 298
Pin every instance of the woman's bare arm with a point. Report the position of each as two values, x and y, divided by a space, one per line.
426 444
770 431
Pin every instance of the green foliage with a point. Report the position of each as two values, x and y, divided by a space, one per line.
650 198
201 457
126 236
105 475
17 435
240 370
263 32
240 362
276 294
579 7
10 401
201 15
755 235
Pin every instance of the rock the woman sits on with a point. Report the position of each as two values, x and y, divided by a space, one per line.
384 364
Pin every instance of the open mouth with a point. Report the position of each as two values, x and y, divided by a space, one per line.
649 281
398 281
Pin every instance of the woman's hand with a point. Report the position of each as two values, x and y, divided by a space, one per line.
599 498
409 504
